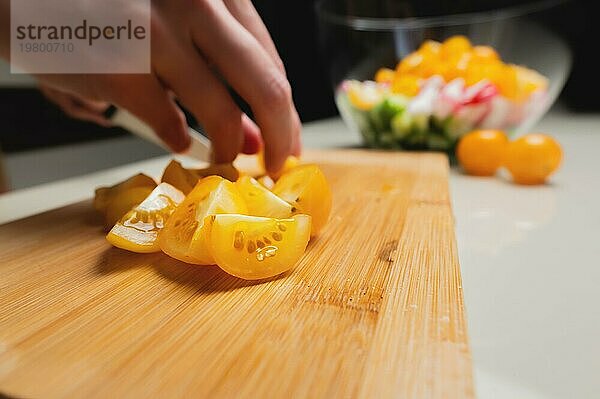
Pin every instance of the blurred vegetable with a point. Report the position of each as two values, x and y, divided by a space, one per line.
532 158
481 152
440 92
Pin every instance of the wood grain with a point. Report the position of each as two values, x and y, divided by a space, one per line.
373 310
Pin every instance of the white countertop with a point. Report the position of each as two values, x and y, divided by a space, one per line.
530 259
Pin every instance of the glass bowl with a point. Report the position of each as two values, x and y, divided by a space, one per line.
420 83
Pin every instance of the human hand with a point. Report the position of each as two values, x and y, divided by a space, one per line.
198 48
76 106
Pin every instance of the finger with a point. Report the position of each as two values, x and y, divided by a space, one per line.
201 92
76 111
91 110
78 107
229 45
248 17
297 144
252 141
145 97
98 107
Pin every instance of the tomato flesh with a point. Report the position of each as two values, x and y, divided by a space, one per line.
252 247
137 231
123 203
184 235
261 201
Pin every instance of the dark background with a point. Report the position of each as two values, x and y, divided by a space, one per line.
28 121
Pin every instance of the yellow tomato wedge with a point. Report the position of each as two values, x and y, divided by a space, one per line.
305 188
261 201
104 195
252 248
186 179
184 235
138 230
123 203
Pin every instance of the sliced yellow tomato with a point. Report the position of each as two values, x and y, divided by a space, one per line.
104 195
123 203
261 201
252 248
184 235
305 188
138 230
186 179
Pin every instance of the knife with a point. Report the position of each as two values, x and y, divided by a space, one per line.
200 148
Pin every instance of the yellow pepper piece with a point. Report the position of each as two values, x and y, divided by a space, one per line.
385 75
484 54
410 64
406 84
430 48
529 80
454 47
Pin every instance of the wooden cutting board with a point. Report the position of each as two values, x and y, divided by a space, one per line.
373 310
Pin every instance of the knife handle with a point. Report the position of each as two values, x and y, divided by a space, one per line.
200 147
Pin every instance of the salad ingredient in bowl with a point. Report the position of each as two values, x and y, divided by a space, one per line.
438 93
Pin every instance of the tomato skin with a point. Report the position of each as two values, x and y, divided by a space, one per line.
532 158
186 179
138 230
307 189
123 203
254 248
104 195
481 152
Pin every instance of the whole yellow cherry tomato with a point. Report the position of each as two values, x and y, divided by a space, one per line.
481 152
532 158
